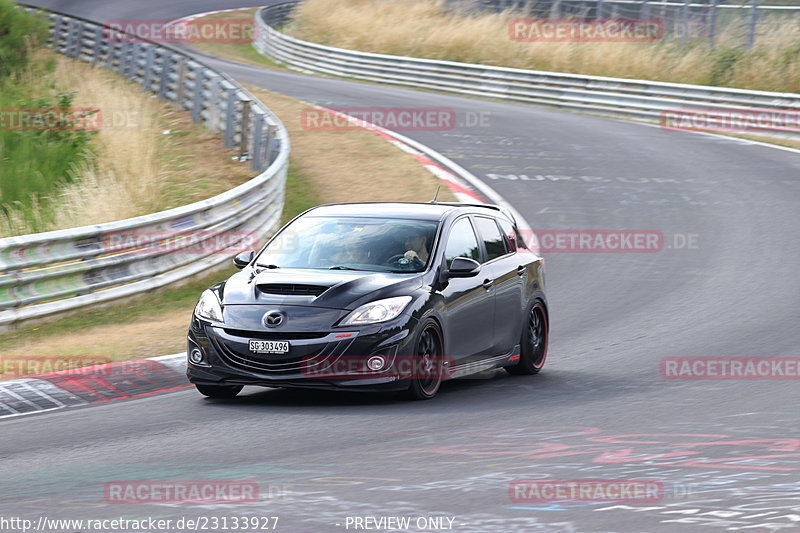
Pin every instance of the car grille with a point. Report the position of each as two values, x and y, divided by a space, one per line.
268 336
312 361
292 289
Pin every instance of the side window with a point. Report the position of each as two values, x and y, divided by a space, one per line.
492 238
509 234
461 242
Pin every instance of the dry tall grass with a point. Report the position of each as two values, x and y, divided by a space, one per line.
135 168
425 28
125 178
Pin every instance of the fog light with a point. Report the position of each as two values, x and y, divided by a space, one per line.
196 356
376 362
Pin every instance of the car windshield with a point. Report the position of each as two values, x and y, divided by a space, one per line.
358 243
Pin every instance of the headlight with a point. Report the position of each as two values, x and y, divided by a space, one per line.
377 311
209 307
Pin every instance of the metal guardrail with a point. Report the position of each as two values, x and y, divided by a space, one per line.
57 271
641 100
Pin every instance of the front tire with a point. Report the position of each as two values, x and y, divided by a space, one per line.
428 363
219 392
533 342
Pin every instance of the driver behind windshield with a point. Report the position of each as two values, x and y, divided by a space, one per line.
416 244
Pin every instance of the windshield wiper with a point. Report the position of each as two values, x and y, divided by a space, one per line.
343 267
266 266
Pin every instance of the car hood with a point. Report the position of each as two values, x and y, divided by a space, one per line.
335 289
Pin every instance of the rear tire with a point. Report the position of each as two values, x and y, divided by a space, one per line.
428 363
533 342
219 391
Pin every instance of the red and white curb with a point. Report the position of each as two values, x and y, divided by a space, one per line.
92 385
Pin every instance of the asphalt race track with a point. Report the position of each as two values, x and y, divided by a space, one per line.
725 284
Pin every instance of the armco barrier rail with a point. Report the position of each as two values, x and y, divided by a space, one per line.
57 271
617 97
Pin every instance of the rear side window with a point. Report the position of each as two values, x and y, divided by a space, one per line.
492 238
461 242
509 234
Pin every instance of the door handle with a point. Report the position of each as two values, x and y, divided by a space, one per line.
521 270
487 284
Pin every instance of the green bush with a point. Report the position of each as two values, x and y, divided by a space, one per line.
19 33
35 164
34 161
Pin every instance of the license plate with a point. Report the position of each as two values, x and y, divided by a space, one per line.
276 347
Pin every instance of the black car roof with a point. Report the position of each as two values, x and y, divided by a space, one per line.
413 210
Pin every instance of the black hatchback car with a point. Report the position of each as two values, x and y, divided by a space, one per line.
374 297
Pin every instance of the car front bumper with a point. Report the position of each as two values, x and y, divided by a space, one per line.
334 359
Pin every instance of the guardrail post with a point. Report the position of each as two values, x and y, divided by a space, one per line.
752 24
230 115
244 141
98 44
683 23
213 106
273 143
258 142
711 22
180 88
147 79
124 52
132 65
112 50
163 80
67 42
644 11
79 36
73 39
599 10
197 96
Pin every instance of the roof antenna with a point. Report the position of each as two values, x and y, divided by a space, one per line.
436 196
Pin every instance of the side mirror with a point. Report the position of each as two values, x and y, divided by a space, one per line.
243 259
463 267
